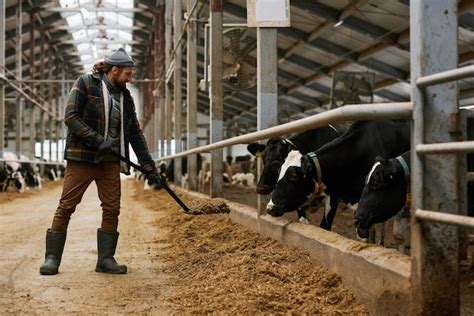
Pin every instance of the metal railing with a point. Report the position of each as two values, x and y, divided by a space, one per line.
447 147
39 162
397 110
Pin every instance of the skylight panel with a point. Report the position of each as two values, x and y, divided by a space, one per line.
125 35
78 34
115 32
74 20
83 46
125 20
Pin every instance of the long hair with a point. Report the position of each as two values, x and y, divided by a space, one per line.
101 68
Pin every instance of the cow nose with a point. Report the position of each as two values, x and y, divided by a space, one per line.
269 208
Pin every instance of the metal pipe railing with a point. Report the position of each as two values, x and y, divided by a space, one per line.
34 161
449 147
445 218
445 76
399 110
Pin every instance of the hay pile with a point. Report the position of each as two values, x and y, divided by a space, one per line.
214 266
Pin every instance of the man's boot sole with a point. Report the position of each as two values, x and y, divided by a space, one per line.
44 271
101 270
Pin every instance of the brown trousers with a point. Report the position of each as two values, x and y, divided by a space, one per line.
77 179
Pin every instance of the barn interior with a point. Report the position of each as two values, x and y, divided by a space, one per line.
199 73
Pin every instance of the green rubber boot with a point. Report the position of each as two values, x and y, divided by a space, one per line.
106 245
54 251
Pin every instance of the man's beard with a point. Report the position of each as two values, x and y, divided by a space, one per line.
120 85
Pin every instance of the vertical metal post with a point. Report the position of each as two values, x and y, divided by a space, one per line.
216 95
267 90
58 107
42 95
435 247
32 110
50 102
62 136
18 65
177 90
168 96
150 126
161 89
192 96
157 68
2 72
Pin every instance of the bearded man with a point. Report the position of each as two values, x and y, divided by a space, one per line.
101 119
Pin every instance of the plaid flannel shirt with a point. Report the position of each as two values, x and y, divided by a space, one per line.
85 119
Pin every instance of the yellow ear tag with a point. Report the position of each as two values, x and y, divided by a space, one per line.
258 154
408 201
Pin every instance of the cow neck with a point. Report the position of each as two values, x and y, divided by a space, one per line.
406 171
319 175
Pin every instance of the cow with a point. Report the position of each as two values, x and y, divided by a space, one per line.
338 169
184 167
243 179
385 194
30 172
276 150
10 173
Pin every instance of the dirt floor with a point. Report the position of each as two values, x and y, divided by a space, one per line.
177 263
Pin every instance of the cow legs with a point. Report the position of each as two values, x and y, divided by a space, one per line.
329 213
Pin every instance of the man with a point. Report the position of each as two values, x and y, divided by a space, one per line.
101 119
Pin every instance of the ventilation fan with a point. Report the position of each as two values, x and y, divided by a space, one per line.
239 68
352 88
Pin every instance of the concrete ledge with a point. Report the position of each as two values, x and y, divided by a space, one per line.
379 276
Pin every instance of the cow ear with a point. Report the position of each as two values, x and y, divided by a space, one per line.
307 166
380 159
254 148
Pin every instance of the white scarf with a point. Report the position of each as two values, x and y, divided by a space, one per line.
106 94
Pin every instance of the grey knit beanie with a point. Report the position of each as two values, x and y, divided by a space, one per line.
120 58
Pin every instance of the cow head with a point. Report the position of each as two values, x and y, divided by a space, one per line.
383 196
295 186
273 155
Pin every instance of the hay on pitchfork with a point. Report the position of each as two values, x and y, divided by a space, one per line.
208 206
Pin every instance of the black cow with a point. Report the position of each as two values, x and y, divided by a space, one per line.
276 150
184 167
340 167
385 192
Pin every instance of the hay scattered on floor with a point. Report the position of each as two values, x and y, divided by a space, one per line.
208 206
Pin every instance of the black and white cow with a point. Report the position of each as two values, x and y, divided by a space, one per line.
276 150
30 171
386 192
10 173
338 168
184 167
